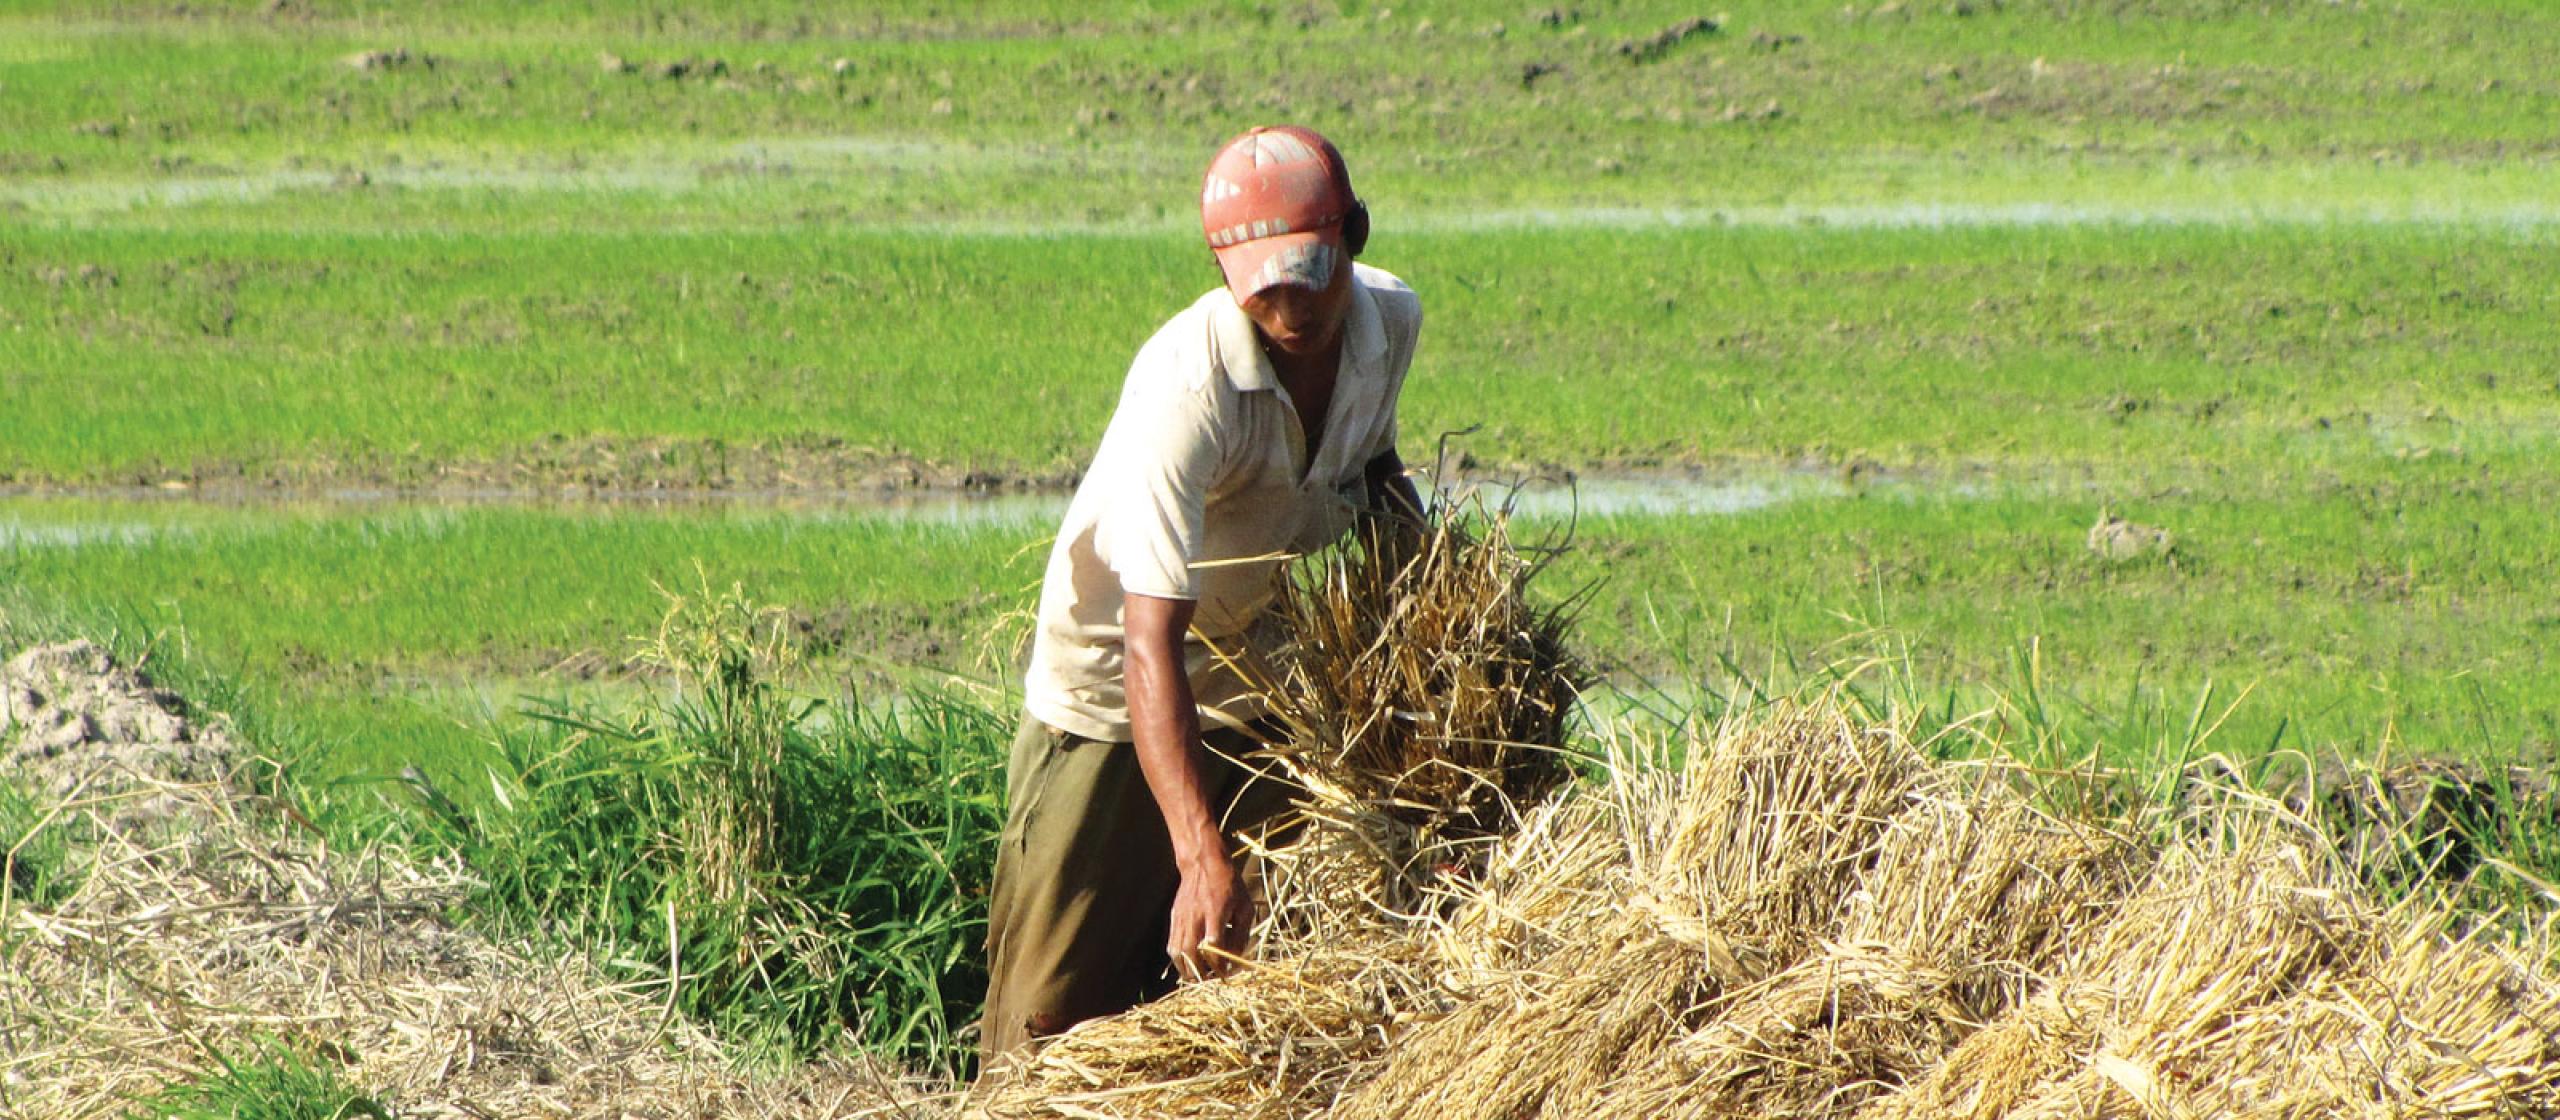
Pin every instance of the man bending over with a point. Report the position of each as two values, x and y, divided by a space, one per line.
1257 422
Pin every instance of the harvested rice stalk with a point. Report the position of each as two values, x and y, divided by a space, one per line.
1938 933
1815 1040
1980 884
1733 869
1553 1043
1426 686
1423 701
1279 1039
1556 882
2430 1023
2136 1001
2325 1015
1774 823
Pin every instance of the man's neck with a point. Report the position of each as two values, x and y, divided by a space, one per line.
1299 370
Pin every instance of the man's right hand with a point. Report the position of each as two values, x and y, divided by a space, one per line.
1212 915
1212 911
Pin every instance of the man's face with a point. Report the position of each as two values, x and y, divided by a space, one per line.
1302 322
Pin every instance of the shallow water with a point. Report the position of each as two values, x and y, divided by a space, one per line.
2418 201
132 517
1923 214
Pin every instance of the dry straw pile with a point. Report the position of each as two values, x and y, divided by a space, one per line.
198 933
1794 914
1810 918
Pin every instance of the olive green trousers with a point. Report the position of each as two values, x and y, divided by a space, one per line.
1085 878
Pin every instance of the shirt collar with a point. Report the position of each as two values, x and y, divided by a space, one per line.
1364 339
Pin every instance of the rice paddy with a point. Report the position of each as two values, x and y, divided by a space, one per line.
2161 393
760 361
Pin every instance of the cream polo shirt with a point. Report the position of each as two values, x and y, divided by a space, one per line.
1200 485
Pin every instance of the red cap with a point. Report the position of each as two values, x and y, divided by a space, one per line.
1272 206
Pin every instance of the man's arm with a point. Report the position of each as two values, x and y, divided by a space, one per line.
1391 491
1395 509
1211 908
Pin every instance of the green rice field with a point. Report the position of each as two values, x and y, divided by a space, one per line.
385 367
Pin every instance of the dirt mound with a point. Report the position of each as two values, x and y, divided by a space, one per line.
202 930
77 725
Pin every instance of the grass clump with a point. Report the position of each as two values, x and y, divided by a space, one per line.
786 868
276 1082
37 869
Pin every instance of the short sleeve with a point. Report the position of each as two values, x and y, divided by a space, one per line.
1402 311
1165 451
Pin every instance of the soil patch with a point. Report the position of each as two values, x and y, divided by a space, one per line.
80 728
576 467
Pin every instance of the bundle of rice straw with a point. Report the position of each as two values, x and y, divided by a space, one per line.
202 928
1424 699
1803 915
1420 677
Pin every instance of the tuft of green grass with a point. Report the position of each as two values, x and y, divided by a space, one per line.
276 1082
37 870
788 868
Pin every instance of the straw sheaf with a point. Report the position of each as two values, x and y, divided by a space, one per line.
1939 932
1828 1032
1421 681
2244 980
1279 1039
2201 939
1718 871
2432 1021
1552 885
